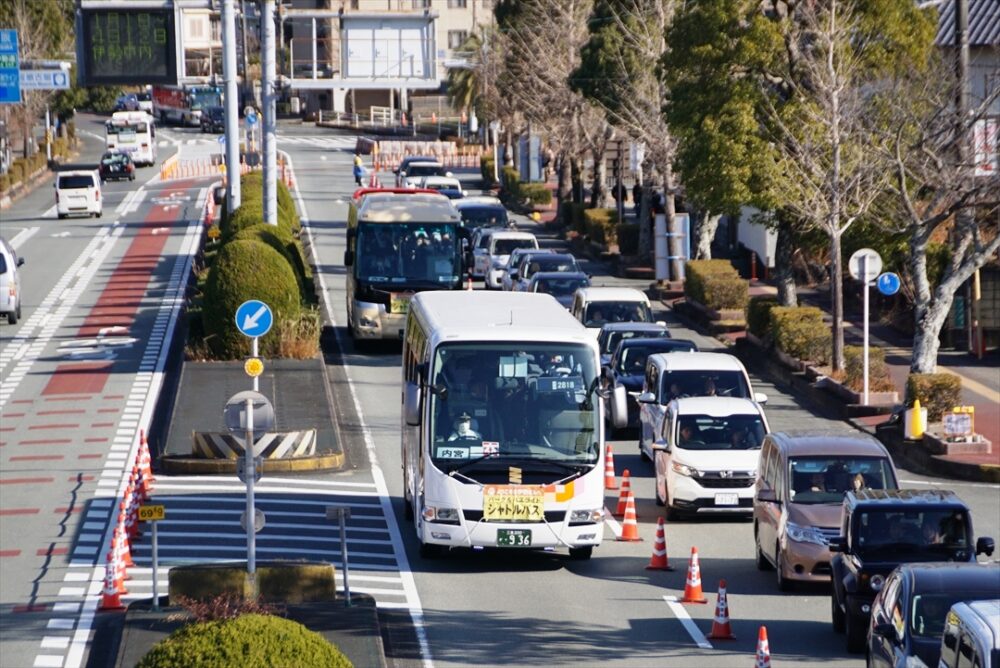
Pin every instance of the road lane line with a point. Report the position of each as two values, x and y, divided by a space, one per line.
409 584
22 236
974 386
612 523
951 483
682 616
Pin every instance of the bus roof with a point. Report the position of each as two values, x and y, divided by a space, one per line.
131 117
479 315
408 209
365 191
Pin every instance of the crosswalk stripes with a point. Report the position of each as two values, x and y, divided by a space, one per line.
202 525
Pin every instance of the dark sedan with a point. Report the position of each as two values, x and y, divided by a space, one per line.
613 333
909 613
213 119
560 284
116 166
628 365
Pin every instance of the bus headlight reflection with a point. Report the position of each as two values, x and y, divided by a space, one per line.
441 515
586 516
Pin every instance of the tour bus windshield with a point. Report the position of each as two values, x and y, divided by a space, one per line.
408 253
729 432
511 404
817 480
205 98
126 128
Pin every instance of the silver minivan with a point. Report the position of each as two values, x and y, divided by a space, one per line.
971 635
10 283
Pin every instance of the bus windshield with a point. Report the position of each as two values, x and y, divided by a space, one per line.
127 130
513 404
205 98
408 254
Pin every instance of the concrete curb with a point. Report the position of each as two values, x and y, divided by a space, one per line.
917 457
175 465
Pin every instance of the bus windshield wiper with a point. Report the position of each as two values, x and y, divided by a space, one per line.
472 462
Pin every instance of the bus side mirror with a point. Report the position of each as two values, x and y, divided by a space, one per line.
619 409
348 258
411 404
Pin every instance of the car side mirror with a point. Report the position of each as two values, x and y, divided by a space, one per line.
660 444
348 258
838 544
767 495
885 630
619 409
411 404
646 398
20 261
985 545
760 397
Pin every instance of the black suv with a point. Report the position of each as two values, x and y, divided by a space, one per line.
882 529
213 119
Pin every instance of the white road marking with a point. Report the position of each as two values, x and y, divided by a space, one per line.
409 585
50 213
22 236
682 616
60 235
950 483
612 523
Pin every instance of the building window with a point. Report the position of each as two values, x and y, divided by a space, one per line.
421 4
457 4
456 38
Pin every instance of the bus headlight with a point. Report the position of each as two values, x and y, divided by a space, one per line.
586 516
441 515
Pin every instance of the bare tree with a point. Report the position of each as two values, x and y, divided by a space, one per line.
35 42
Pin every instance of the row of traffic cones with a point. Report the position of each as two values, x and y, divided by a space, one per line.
126 529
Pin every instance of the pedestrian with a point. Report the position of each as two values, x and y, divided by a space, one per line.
637 196
359 170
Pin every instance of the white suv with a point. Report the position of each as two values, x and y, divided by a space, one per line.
706 455
502 243
78 192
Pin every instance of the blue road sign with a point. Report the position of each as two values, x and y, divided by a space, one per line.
888 283
251 119
10 68
222 139
254 318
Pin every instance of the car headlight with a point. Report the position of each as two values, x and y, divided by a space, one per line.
586 516
877 582
684 469
801 534
441 515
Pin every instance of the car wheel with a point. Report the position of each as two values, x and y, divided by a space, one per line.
856 634
673 515
836 614
784 584
131 177
13 316
762 563
431 551
581 553
659 500
61 216
407 501
98 214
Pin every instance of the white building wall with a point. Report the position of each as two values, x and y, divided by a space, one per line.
756 237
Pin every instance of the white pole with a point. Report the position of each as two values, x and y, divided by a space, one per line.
270 109
156 569
48 136
229 75
250 473
864 286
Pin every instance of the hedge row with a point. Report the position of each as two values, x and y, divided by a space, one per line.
601 226
937 392
517 193
716 284
879 379
486 171
800 332
21 169
759 316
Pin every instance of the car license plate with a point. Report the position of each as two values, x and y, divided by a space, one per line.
513 537
727 499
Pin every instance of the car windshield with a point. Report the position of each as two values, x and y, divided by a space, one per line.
144 97
111 158
932 533
928 612
425 170
485 216
509 402
506 246
632 358
612 338
552 263
730 432
601 313
818 480
560 287
697 383
75 182
408 253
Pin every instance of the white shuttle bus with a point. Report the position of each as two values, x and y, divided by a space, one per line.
132 132
502 435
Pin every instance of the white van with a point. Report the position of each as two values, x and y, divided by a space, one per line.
79 192
502 243
595 307
10 285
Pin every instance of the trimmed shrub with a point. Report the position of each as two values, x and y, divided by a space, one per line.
879 379
716 284
628 238
938 392
486 170
17 171
801 333
249 641
247 270
252 192
249 214
4 183
759 315
600 225
535 194
280 240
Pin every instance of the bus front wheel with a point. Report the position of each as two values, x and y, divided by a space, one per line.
432 551
581 553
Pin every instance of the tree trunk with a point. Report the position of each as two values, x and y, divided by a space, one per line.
645 221
705 227
926 336
676 242
783 275
576 172
837 301
508 148
565 188
599 192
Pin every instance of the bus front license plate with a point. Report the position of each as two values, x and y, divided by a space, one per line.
727 499
513 537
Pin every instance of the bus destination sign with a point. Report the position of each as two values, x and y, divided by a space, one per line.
128 46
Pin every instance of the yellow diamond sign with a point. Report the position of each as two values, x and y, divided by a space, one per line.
254 367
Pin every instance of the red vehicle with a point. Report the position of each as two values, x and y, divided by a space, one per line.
183 104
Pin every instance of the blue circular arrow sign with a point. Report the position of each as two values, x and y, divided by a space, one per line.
254 318
251 119
888 283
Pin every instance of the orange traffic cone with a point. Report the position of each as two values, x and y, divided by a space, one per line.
609 469
623 496
721 629
630 528
763 651
659 561
110 599
692 586
468 283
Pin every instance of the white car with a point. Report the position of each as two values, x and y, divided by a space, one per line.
509 279
502 244
10 283
79 192
480 245
446 185
706 455
415 171
677 375
595 307
522 274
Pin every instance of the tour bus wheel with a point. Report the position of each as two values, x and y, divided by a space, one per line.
581 553
432 551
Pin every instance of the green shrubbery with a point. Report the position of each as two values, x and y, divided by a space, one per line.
715 284
535 194
759 316
281 241
247 270
937 392
801 333
879 379
248 641
486 171
600 226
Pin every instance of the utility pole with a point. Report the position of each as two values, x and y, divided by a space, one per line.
246 60
270 109
962 130
231 105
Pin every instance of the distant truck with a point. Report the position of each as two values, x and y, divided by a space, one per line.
184 104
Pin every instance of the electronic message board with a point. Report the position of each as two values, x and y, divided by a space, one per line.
124 46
